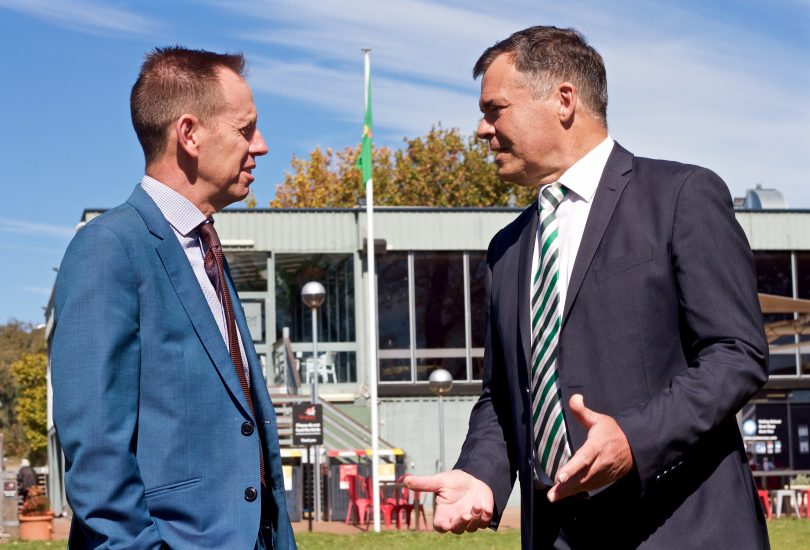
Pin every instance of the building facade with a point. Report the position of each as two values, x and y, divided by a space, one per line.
430 266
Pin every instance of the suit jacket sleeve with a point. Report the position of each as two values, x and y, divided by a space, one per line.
721 332
487 453
95 364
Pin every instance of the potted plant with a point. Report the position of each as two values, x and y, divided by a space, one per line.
35 516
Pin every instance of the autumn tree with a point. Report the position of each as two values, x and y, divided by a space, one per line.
16 338
440 169
30 377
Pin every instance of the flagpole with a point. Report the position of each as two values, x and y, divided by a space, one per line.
372 324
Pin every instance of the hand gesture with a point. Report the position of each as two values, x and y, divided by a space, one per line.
604 458
463 502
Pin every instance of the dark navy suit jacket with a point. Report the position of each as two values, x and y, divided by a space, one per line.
661 330
147 404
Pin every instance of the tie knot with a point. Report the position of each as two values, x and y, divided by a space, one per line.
552 195
208 234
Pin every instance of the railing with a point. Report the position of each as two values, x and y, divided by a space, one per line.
340 431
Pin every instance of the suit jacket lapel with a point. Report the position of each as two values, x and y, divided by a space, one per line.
527 239
614 179
184 282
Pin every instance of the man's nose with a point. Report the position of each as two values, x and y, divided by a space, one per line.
485 129
258 147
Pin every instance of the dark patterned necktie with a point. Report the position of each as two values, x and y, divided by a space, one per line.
215 269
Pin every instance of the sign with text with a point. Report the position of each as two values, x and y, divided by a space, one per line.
307 424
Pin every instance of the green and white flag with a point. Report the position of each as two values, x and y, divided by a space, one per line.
364 162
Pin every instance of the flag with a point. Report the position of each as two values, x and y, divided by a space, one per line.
364 162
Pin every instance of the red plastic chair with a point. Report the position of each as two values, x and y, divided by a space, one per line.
765 499
402 504
803 496
360 503
386 507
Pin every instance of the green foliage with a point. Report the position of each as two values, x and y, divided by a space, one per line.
440 169
16 338
30 377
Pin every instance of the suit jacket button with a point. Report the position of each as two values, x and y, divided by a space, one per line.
251 493
247 428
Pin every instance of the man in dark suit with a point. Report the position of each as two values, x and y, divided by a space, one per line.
164 417
624 331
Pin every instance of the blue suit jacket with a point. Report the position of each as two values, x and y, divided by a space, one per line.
661 330
147 404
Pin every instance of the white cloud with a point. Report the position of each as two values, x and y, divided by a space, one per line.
33 228
85 15
704 84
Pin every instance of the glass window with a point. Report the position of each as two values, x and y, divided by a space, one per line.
336 316
774 277
439 300
456 366
248 270
395 369
803 274
392 301
478 269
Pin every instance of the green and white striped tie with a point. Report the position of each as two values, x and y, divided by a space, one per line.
550 440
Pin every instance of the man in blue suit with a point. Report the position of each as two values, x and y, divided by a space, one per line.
167 427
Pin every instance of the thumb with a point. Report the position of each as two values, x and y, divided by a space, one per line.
583 414
431 484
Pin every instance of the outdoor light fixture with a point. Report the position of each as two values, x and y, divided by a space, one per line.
441 382
313 295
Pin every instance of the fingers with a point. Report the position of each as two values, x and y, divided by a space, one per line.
574 476
583 414
430 484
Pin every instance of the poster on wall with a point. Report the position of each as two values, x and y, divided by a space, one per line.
766 436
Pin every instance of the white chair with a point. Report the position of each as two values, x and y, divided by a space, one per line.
780 496
326 368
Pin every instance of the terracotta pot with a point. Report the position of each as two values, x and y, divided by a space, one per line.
36 527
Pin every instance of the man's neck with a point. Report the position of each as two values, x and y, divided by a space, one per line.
174 178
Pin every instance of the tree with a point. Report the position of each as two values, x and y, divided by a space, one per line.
30 377
16 338
440 169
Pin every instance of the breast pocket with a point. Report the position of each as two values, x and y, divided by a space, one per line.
623 263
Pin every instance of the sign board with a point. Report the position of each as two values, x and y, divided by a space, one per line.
9 488
307 424
346 470
254 316
387 471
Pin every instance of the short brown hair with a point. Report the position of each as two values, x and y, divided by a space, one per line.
174 81
547 55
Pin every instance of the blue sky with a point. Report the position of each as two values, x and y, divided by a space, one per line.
723 84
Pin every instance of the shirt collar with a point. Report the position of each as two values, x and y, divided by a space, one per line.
180 212
583 176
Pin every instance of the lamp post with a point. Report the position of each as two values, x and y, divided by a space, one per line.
441 382
313 294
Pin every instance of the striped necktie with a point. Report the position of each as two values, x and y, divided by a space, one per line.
550 440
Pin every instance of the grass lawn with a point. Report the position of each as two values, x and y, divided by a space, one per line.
786 534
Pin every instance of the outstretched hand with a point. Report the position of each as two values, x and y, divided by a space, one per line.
604 458
463 502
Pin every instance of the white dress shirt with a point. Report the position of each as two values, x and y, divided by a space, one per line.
184 218
581 180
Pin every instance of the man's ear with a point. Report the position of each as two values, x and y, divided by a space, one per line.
187 130
567 97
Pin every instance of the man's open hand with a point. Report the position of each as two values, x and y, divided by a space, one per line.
604 458
463 502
